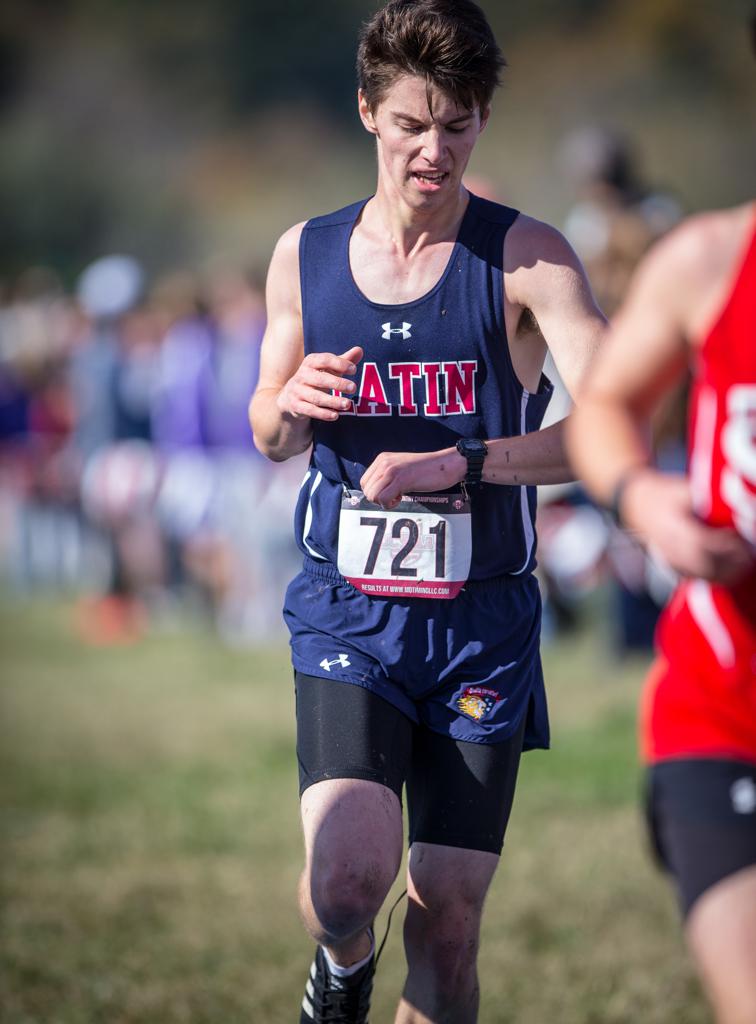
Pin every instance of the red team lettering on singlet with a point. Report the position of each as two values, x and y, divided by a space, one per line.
430 389
460 387
370 399
406 374
432 372
700 699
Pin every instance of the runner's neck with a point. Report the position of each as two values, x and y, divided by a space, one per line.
409 230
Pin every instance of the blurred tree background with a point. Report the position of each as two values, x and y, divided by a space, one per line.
177 131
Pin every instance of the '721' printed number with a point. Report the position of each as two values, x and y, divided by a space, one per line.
413 536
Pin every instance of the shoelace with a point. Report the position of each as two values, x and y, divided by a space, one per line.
339 1006
395 904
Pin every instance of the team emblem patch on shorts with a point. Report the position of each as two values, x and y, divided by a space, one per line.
477 701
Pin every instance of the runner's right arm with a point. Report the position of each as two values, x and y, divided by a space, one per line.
294 389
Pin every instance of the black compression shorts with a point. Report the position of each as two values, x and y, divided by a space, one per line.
702 818
458 793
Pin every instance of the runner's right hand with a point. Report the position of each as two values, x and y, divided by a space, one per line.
309 391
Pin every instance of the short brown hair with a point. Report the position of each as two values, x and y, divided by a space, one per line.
448 42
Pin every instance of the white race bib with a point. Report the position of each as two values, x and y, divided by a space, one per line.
421 548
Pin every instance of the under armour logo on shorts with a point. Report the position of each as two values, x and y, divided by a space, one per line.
342 660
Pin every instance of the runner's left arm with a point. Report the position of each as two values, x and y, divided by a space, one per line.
549 281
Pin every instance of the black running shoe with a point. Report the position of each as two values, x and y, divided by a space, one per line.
329 999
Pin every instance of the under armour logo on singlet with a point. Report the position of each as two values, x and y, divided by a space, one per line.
388 330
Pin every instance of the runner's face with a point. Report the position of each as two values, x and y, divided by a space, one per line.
421 155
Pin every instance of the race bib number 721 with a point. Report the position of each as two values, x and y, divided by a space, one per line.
421 548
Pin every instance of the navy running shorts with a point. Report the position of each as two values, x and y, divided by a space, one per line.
467 668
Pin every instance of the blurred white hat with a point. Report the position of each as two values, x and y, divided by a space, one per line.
110 286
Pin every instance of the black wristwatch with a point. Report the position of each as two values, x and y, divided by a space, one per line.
475 451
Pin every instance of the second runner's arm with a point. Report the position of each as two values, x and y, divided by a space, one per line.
644 357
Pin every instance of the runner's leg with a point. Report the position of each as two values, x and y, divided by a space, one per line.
353 849
721 932
446 890
460 795
353 749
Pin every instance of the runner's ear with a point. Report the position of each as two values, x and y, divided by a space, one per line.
366 114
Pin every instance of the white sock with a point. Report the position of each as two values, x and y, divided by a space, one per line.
345 972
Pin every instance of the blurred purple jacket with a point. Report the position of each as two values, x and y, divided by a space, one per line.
206 381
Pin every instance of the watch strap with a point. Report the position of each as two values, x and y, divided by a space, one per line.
475 460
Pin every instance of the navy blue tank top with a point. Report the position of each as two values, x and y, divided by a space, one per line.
435 369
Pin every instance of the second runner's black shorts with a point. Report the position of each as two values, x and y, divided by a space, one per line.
702 818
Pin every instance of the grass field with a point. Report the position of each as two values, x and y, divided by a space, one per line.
150 844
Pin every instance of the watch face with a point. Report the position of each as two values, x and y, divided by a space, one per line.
471 446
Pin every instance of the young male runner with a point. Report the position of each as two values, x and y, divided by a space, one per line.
693 301
406 339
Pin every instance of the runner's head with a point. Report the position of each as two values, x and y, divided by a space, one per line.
448 43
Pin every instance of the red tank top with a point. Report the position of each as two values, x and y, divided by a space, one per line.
700 699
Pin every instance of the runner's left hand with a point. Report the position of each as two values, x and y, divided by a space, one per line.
393 474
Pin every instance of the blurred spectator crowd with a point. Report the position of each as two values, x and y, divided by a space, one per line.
128 474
